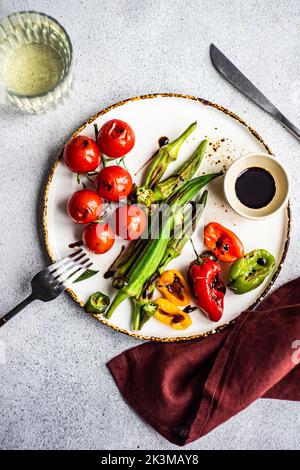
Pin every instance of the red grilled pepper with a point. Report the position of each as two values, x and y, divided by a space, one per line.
209 290
222 242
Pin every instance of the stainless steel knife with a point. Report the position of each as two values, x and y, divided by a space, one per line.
239 81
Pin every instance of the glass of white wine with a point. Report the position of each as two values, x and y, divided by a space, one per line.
35 61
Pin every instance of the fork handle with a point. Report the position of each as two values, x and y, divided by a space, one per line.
16 310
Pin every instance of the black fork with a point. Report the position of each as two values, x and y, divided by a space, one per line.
52 281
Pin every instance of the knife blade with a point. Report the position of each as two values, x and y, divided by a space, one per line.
235 77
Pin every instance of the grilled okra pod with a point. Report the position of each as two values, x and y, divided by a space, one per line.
165 155
161 191
150 259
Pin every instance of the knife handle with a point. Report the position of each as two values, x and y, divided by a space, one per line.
295 131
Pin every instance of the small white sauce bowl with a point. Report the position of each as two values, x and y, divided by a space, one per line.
268 163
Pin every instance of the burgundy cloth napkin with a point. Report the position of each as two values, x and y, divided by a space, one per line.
184 390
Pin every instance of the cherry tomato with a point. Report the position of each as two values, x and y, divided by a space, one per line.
130 222
115 138
84 206
114 182
98 238
82 154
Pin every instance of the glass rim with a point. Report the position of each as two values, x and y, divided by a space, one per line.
65 75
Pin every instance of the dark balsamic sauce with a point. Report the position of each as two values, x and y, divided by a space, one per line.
163 141
255 187
74 245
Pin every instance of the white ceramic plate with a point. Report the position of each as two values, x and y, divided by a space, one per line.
151 117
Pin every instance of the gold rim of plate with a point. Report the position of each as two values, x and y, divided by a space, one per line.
45 205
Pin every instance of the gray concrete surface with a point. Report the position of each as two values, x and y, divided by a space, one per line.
55 390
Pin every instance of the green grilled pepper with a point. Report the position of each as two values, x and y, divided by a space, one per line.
249 272
97 303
